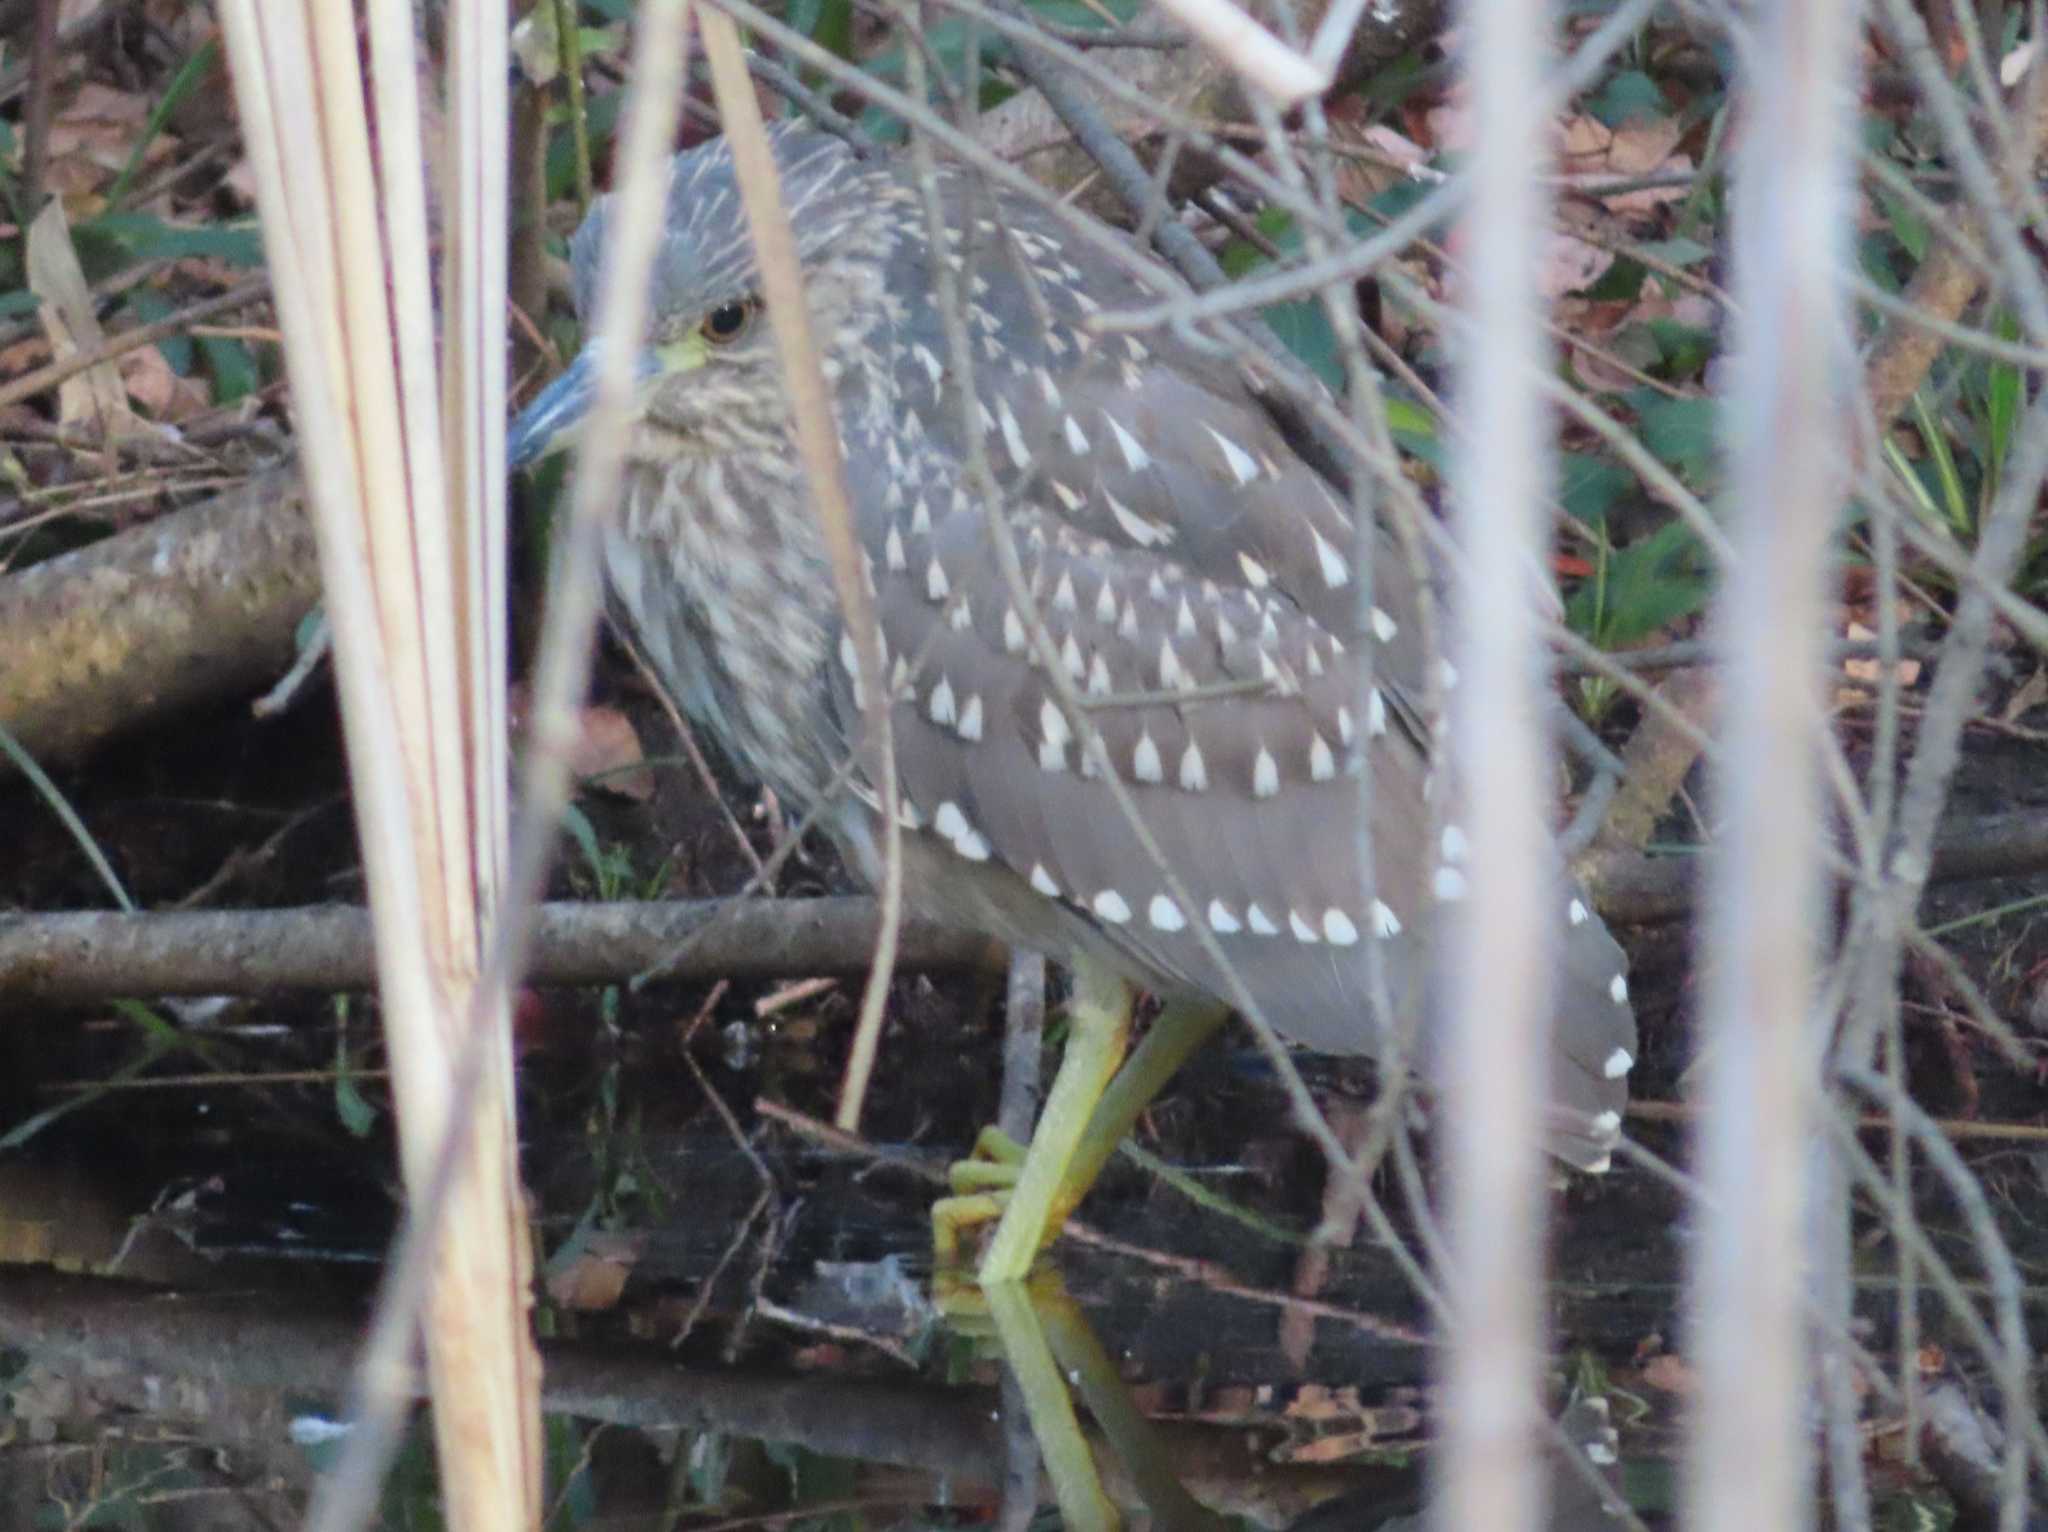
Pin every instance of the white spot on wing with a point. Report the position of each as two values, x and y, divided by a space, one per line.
936 585
1383 627
1260 922
1617 990
1165 915
1012 433
1576 912
1322 764
1449 884
1221 920
1171 676
1265 774
953 825
1109 904
1254 571
1243 467
1385 922
1454 846
1013 631
1077 439
1336 571
1136 458
940 706
970 718
1054 737
892 551
1145 763
1194 771
1337 927
1619 1063
1303 931
1042 881
1141 530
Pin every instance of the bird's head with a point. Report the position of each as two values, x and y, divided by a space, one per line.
708 378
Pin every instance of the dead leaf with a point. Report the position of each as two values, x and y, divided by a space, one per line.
1871 671
1670 1374
90 141
2030 694
608 749
607 746
151 384
93 401
594 1279
1571 265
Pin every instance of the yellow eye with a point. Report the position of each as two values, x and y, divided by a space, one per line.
727 323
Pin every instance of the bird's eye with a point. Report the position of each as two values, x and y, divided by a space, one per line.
727 323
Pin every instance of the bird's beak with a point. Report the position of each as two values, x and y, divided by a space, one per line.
550 423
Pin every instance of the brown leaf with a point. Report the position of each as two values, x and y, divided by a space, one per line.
608 748
2029 694
152 384
595 1279
93 401
1670 1374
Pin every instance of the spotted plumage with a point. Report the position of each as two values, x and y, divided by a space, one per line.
1190 575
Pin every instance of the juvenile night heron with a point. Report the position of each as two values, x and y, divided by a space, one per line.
1192 573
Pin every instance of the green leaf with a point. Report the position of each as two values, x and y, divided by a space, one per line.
1683 350
579 829
1589 486
148 305
1621 282
1907 226
602 114
828 23
1629 96
1676 251
570 1488
356 1114
231 365
1305 330
2004 394
1876 254
1644 588
144 237
190 76
1681 434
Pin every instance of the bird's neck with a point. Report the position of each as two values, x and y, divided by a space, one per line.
733 606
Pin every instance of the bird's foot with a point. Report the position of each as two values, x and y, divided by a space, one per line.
982 1184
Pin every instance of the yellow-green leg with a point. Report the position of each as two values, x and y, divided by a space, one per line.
1086 1116
1063 1447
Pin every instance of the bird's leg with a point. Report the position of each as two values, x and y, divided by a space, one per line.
1098 1030
1181 1028
1017 1312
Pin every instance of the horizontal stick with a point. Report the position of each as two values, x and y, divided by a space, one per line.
101 955
98 955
